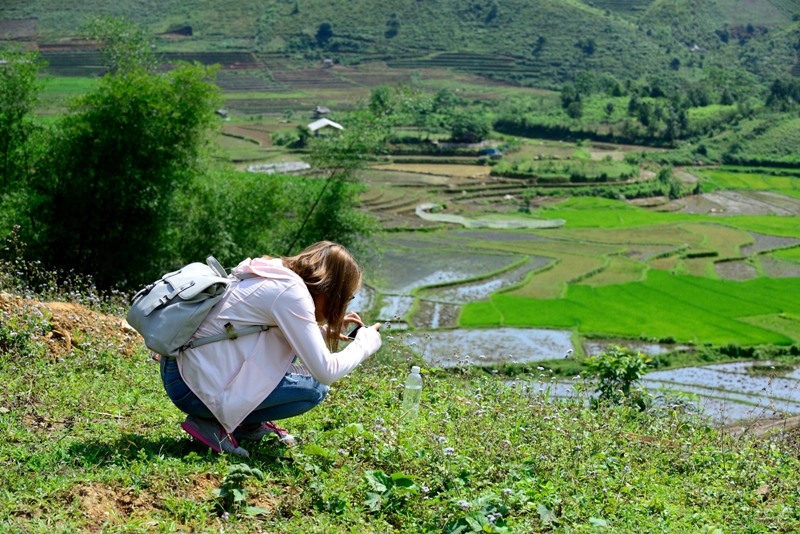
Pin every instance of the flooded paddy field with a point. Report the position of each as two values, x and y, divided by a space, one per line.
719 410
491 346
777 268
436 314
395 307
735 270
482 289
783 392
403 270
742 203
762 242
604 251
595 347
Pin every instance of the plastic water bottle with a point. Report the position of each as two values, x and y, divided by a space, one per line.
412 393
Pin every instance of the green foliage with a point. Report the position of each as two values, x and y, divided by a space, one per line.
106 186
234 215
126 190
617 372
232 494
469 127
106 427
388 492
19 92
125 46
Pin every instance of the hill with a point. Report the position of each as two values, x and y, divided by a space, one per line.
539 42
95 446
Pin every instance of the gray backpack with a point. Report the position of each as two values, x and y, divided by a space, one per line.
168 312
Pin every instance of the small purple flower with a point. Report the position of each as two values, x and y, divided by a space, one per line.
508 491
448 451
441 439
225 516
463 504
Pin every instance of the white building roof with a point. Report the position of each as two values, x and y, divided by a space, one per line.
324 123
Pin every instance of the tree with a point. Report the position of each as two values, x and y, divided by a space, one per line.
727 98
124 45
609 109
469 127
19 91
444 100
392 27
324 34
304 133
634 104
115 162
569 95
586 83
575 110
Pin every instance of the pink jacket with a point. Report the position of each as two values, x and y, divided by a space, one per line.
232 377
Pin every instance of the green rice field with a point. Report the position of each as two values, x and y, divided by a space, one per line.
687 308
726 180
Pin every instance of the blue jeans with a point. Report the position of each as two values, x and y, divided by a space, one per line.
295 394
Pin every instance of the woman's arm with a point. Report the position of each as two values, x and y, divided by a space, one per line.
293 312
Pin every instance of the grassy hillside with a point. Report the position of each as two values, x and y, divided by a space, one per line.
541 41
92 444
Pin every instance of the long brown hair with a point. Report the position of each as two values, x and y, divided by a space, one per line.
328 269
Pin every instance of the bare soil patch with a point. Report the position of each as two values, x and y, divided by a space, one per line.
18 28
439 169
69 321
102 504
259 135
685 177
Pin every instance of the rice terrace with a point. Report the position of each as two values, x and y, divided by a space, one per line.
580 219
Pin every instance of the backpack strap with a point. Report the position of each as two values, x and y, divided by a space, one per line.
212 262
229 333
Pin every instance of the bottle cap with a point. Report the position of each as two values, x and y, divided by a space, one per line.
415 370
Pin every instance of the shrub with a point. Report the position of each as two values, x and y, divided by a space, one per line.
617 372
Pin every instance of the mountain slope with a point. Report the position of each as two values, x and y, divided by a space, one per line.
546 41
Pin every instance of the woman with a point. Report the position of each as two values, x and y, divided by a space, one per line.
232 389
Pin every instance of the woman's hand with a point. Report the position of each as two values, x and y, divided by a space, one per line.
349 319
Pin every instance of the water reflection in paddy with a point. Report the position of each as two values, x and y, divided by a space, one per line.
482 289
402 270
490 346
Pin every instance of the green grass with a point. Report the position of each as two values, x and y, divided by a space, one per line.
593 212
59 86
685 307
719 179
792 254
91 443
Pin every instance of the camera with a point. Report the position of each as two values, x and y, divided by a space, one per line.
352 333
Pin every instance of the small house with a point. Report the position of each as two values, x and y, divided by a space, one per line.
324 126
319 111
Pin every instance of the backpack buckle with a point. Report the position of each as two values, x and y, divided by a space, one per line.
232 334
